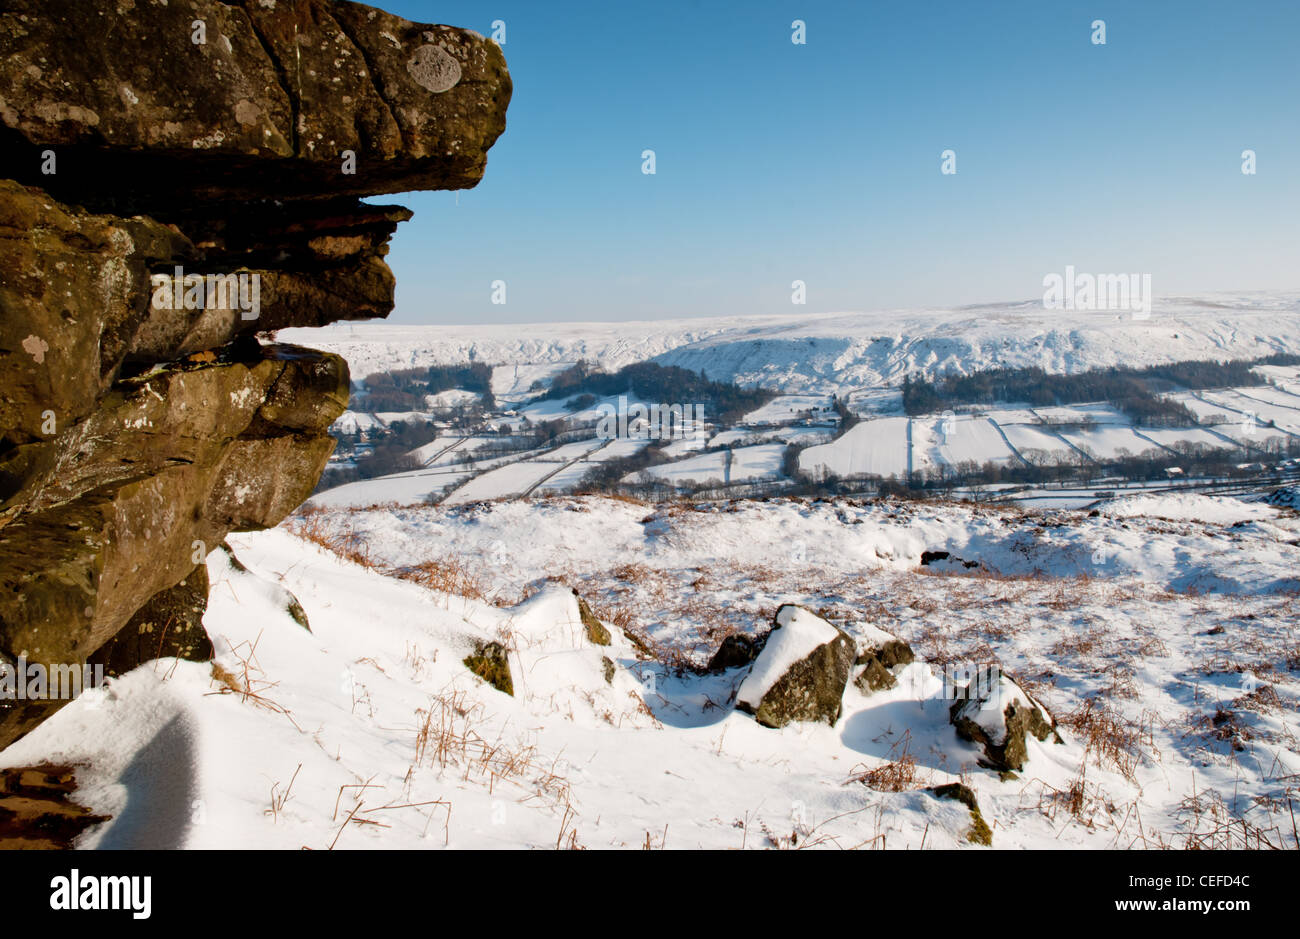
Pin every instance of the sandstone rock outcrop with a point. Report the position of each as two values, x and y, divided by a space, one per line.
176 180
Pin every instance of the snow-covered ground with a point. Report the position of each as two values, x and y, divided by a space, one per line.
1160 631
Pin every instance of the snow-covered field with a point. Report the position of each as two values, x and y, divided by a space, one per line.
1107 441
877 448
958 440
1161 633
747 463
400 488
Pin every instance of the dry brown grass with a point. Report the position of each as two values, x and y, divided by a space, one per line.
1112 741
1263 700
632 573
1214 827
898 775
312 524
247 680
449 736
446 575
1080 644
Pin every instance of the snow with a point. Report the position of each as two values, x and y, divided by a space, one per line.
1095 413
367 731
872 637
352 422
514 382
513 479
1272 396
1187 507
331 727
333 734
748 463
805 436
452 397
399 489
783 409
1026 438
1109 441
834 352
959 440
1241 402
1187 436
573 451
876 448
800 632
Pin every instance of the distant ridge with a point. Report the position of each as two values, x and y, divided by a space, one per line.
838 352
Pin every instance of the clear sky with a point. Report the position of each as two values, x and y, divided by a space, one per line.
822 162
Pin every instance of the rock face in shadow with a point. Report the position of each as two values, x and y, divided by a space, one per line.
735 651
177 181
169 625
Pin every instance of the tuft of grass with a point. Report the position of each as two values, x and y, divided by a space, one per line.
445 575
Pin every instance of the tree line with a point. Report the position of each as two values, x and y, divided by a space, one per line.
1133 391
405 389
723 401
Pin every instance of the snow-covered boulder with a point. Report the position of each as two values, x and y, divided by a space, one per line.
881 652
564 660
800 674
999 717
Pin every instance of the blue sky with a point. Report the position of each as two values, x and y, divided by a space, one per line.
821 162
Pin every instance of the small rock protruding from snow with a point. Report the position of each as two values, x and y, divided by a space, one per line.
980 833
944 559
999 717
490 662
882 652
801 672
596 630
736 651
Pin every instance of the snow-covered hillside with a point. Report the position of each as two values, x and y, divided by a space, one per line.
837 352
1160 634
